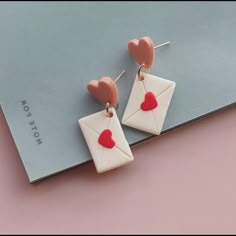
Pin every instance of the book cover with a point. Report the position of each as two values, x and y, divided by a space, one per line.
49 51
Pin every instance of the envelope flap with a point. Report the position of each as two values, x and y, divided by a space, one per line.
156 84
142 120
91 138
160 113
136 98
112 158
119 137
97 121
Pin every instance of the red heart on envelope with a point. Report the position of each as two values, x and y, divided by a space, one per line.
149 103
105 139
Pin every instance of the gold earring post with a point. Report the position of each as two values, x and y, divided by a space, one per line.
160 45
108 112
120 75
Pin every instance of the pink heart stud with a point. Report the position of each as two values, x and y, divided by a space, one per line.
142 51
104 90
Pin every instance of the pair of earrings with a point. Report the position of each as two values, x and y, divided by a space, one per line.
146 109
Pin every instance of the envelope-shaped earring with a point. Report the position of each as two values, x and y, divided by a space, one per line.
151 95
102 130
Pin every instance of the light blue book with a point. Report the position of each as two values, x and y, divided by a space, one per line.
49 51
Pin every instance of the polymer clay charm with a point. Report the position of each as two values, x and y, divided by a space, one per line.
106 141
150 95
102 130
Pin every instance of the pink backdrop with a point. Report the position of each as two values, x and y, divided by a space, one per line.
182 182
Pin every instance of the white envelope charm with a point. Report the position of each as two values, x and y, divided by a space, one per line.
148 103
106 141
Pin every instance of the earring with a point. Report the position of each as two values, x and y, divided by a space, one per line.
102 130
150 95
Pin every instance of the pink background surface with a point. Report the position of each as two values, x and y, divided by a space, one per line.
181 182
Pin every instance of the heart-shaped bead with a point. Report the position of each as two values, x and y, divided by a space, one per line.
105 139
142 51
104 90
149 102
